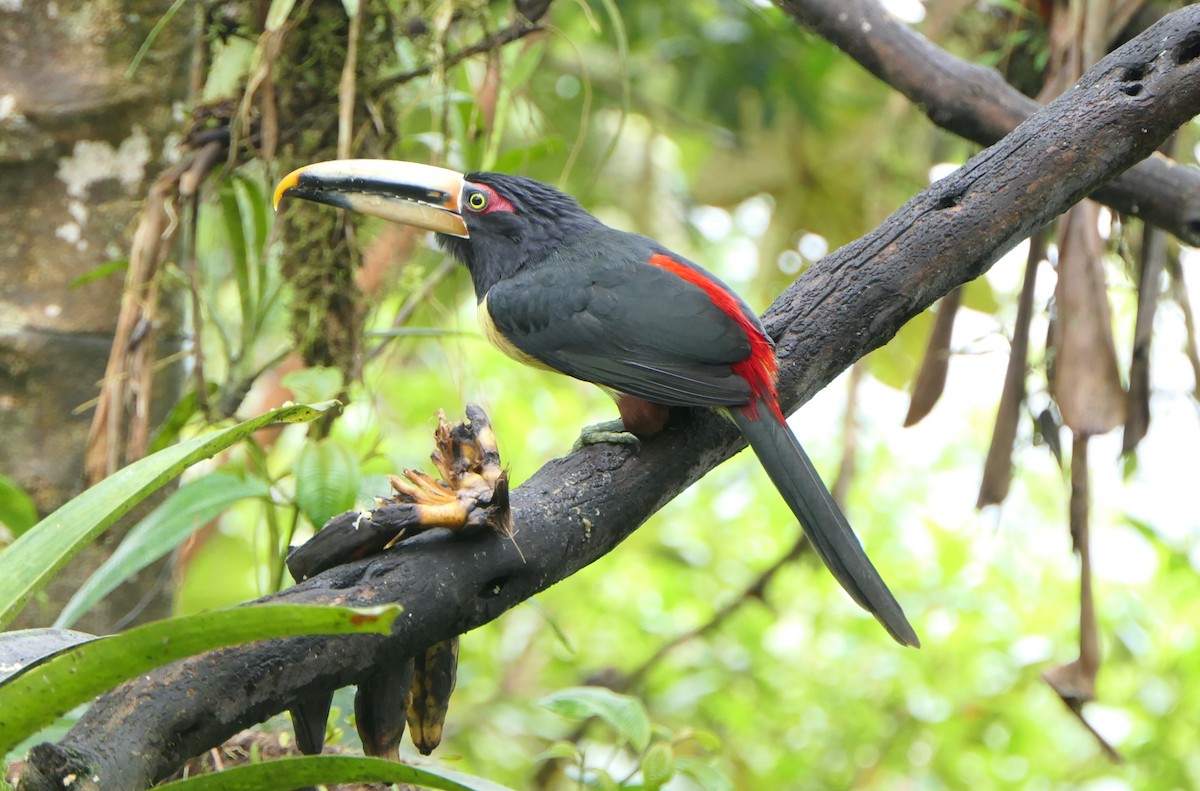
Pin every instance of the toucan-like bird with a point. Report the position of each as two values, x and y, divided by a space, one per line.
558 289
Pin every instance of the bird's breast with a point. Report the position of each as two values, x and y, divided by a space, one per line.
501 341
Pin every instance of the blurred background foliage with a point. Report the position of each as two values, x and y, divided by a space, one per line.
752 146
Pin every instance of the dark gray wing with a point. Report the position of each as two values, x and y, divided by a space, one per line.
629 326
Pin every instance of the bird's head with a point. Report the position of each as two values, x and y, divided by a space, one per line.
494 223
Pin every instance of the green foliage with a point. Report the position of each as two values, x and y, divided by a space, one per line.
626 715
33 699
727 133
18 512
187 509
651 765
329 770
100 272
33 558
326 479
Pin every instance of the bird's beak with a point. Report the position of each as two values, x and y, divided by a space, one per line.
406 192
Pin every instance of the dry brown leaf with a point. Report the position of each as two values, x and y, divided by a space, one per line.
1085 383
1137 406
931 379
1075 682
997 470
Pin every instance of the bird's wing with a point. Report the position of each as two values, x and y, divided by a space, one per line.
632 327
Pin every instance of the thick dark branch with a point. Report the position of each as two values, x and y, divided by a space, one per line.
975 102
576 509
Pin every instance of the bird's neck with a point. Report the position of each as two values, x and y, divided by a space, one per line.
504 258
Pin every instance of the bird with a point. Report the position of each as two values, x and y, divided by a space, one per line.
558 289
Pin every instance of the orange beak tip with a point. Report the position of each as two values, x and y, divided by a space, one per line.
286 183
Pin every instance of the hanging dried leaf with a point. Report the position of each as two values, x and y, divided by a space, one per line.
931 379
997 470
1047 427
1179 293
1085 382
1137 407
1075 682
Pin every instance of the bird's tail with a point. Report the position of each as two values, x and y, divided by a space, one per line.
797 480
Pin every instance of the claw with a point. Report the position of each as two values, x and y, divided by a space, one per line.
610 432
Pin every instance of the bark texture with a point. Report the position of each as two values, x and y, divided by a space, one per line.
975 102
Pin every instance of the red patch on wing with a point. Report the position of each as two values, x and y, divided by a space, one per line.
759 368
496 201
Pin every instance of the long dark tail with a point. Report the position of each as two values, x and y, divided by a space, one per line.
797 480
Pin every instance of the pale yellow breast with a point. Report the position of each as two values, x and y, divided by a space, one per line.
497 339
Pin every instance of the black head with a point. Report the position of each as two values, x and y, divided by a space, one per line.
513 223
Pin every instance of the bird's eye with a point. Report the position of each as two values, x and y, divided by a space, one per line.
477 201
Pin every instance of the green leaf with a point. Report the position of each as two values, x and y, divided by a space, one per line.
658 766
979 295
17 510
32 559
98 272
624 713
326 480
150 38
187 405
705 775
286 773
896 363
232 213
33 699
706 739
191 507
230 64
600 779
559 751
314 384
255 208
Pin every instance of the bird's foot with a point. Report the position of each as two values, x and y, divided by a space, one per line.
610 432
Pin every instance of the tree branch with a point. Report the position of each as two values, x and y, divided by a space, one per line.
578 508
975 102
514 32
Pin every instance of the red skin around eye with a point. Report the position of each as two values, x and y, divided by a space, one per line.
496 201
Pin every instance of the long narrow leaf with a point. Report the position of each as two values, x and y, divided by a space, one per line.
289 773
191 507
23 647
35 698
232 215
28 564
